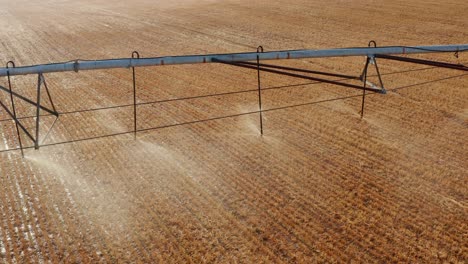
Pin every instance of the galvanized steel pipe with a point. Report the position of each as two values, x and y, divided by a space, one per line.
229 57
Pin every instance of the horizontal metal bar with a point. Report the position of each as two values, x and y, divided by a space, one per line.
424 62
301 76
81 65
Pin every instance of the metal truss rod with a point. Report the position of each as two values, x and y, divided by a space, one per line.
19 123
230 57
424 62
300 70
301 76
30 101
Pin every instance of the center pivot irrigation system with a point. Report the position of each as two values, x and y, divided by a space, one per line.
249 60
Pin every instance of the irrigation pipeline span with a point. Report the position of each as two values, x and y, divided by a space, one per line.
81 65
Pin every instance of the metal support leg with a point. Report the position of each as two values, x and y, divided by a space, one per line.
136 55
42 81
364 79
50 97
38 109
371 59
378 75
13 107
259 49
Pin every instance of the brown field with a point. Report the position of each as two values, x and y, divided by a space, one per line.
321 185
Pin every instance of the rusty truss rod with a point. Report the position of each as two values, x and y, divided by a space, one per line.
424 62
81 65
300 76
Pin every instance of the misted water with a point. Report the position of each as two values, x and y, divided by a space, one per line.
84 190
